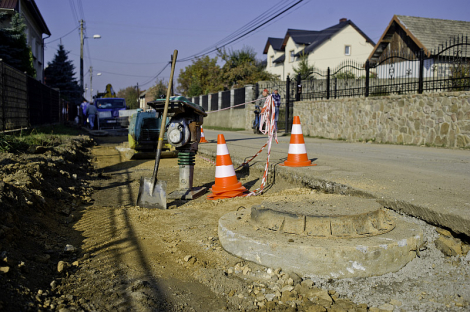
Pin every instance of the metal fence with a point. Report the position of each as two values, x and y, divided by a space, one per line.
446 68
239 97
26 102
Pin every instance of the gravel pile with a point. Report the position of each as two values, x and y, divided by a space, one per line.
430 282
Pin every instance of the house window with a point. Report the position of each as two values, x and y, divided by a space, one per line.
271 61
292 57
347 50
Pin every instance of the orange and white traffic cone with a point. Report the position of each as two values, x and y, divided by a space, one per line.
297 154
203 137
226 182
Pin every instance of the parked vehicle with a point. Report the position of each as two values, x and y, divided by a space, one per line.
110 112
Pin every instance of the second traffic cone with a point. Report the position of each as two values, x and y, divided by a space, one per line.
297 154
203 137
226 182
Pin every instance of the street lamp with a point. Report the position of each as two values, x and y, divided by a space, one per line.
91 82
82 38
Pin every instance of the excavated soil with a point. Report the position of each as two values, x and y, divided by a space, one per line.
72 239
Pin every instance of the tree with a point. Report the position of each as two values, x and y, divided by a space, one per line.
131 95
158 90
202 77
60 74
14 49
205 76
304 69
241 67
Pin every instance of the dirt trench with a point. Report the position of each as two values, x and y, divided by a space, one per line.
73 240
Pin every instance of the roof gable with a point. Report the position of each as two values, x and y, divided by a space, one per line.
432 32
329 32
276 43
33 9
426 33
299 36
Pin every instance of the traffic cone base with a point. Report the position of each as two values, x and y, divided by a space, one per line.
226 183
203 137
297 154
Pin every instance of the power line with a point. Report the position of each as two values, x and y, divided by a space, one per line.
74 11
101 71
155 77
245 27
237 35
80 9
242 32
63 35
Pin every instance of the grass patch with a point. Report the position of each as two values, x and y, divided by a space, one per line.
223 128
41 136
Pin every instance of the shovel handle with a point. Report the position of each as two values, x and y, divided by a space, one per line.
163 123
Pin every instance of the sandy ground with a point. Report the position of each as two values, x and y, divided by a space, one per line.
119 257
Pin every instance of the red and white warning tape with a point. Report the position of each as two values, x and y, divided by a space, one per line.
267 125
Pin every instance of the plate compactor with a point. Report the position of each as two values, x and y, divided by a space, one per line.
144 129
183 132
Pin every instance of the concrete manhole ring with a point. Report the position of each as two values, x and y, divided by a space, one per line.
261 234
349 217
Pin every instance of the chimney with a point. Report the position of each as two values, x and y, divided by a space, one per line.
344 19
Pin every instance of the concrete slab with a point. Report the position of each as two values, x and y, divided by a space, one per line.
327 257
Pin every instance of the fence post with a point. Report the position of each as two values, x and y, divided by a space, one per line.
421 71
287 103
367 78
298 90
336 86
219 103
328 84
3 99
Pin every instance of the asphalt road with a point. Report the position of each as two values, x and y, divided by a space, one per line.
430 183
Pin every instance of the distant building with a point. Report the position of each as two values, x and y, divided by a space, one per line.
325 48
35 28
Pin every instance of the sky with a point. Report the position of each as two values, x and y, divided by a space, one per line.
139 37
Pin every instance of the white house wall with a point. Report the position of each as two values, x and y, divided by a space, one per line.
34 40
332 52
275 68
410 69
288 65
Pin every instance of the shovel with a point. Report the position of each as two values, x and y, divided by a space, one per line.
152 193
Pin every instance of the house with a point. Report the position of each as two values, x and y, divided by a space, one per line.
407 35
35 28
325 48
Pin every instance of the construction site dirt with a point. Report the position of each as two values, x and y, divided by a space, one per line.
72 239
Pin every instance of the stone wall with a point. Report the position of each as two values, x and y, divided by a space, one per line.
434 119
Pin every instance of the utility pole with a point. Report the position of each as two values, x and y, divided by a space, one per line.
138 96
81 57
171 62
91 85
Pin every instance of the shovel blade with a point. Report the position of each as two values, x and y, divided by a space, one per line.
149 198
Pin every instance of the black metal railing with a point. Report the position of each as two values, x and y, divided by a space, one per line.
447 68
214 101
